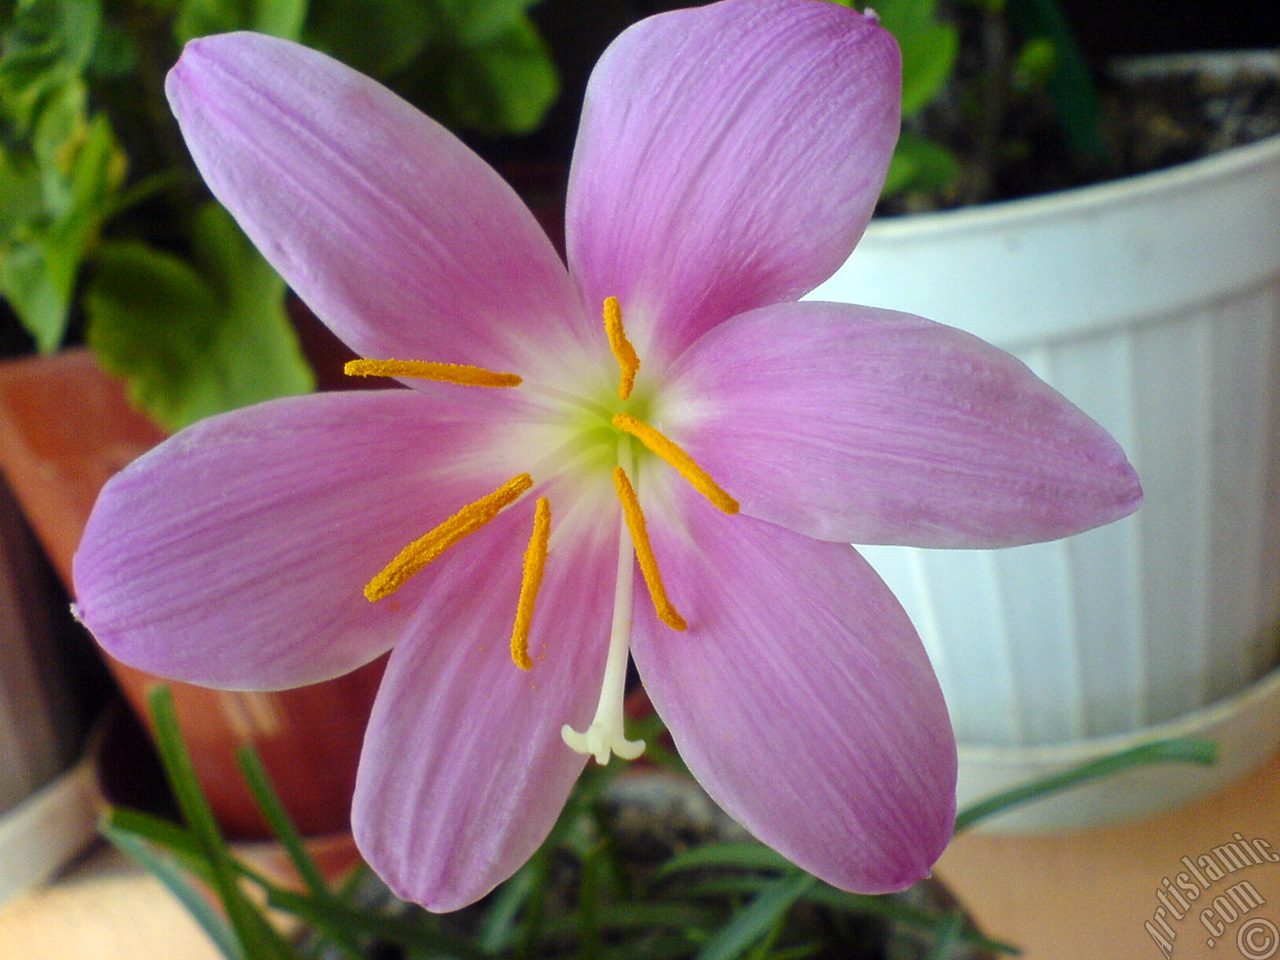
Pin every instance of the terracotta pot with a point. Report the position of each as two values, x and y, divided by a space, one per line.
65 428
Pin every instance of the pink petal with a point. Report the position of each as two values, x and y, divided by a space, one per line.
728 157
868 426
463 771
235 554
800 697
399 238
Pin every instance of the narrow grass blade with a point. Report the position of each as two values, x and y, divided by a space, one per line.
164 867
744 856
258 938
948 937
1180 750
757 918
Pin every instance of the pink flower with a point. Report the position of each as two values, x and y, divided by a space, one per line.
728 160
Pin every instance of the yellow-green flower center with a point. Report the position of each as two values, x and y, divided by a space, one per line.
607 436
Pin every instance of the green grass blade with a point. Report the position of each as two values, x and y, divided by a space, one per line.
894 909
164 868
743 856
258 938
1180 750
408 933
757 918
278 819
948 936
157 831
284 830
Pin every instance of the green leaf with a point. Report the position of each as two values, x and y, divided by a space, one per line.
502 85
1034 64
500 926
199 18
948 936
481 21
1075 94
41 261
19 192
919 164
740 856
257 937
48 45
896 909
1179 750
758 918
377 37
419 931
165 869
929 46
194 339
283 829
175 840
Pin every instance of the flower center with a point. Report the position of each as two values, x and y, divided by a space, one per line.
605 734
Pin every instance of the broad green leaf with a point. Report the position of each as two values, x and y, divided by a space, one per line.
115 56
919 164
60 134
40 263
479 65
194 339
199 18
475 22
48 44
501 86
19 192
1034 64
929 46
1072 87
377 37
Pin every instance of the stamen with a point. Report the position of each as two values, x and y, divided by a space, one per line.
426 370
535 558
684 464
622 349
425 549
644 551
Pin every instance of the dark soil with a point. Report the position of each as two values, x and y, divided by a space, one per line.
1009 142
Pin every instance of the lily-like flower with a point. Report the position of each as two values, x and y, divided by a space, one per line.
657 452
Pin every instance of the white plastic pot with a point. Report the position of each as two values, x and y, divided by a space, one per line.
1154 304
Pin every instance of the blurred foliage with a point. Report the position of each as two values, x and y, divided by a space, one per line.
104 223
609 883
1018 49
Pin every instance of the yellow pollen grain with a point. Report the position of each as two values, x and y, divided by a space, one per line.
535 558
459 373
684 464
425 549
628 361
644 551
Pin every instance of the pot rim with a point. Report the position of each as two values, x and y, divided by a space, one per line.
1098 196
1191 724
